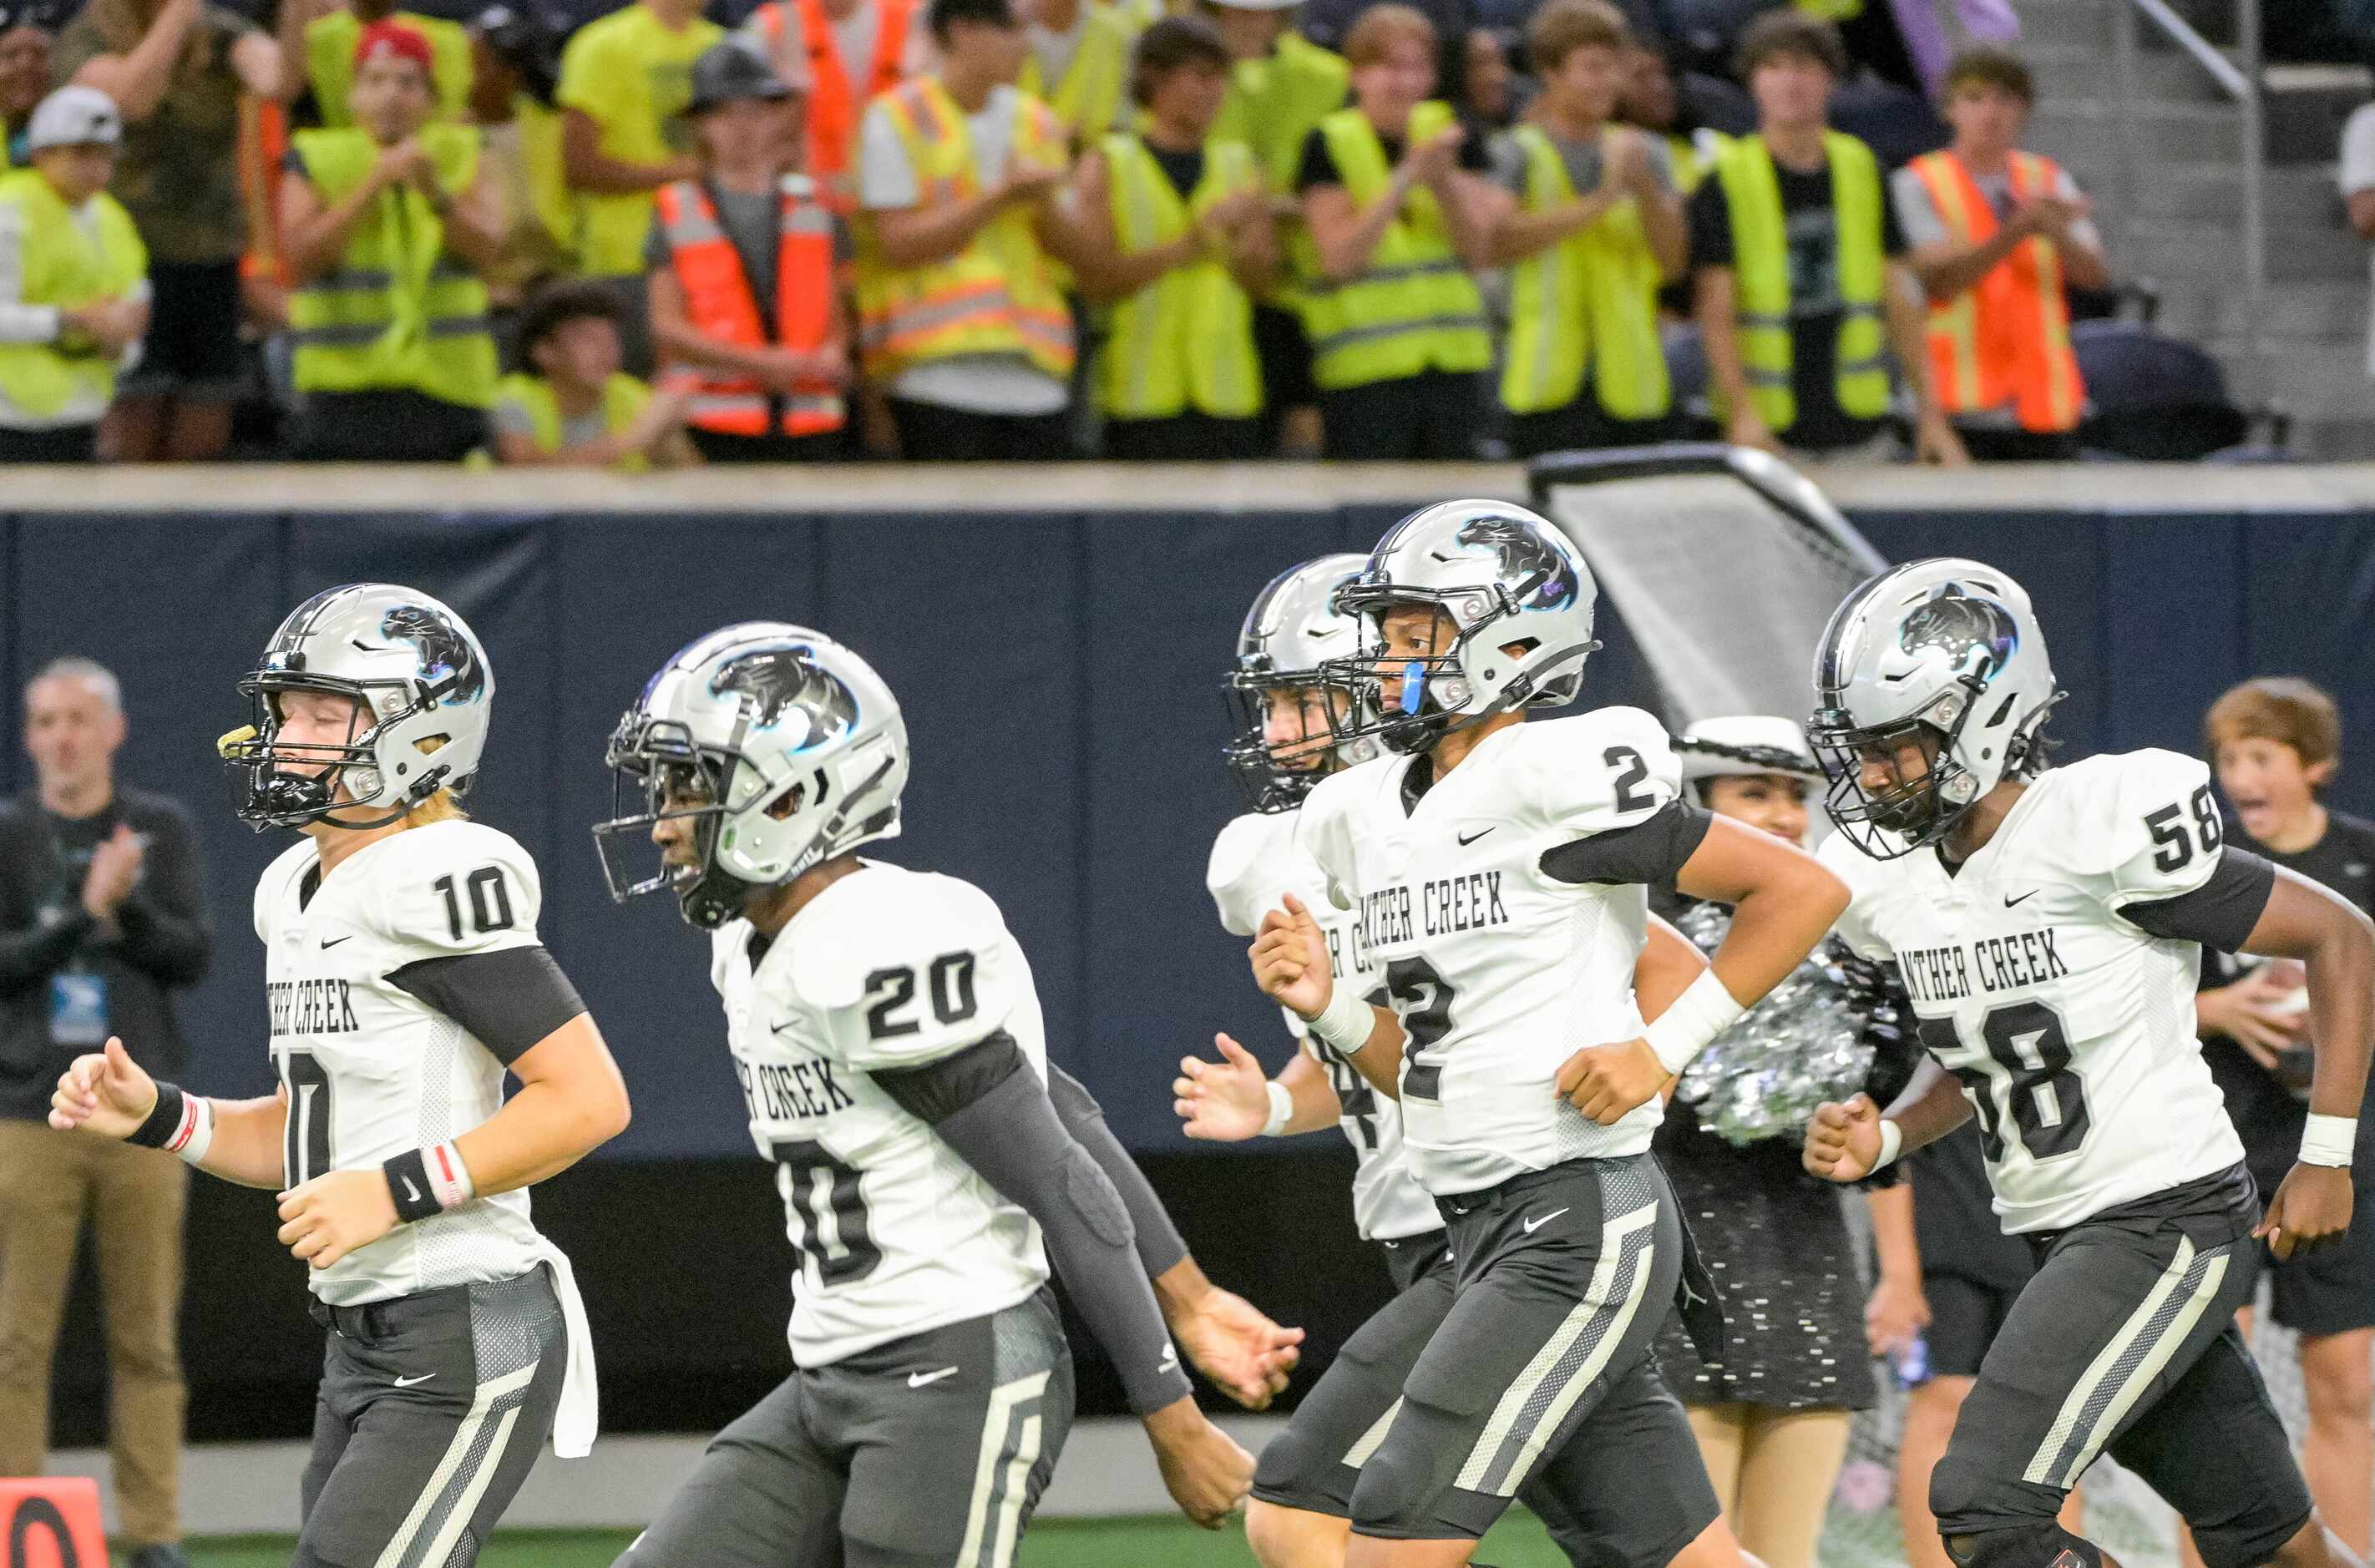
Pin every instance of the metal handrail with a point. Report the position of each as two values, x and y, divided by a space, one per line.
2239 80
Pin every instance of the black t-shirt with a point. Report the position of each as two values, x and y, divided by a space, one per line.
1184 169
1319 165
2267 1113
1814 309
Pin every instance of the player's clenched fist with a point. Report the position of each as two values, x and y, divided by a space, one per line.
1606 1081
1843 1141
323 1219
105 1092
1290 959
1203 1469
2311 1208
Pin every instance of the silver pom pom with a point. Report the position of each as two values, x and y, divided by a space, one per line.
1804 1043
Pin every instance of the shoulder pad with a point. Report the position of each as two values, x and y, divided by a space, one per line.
455 887
1594 773
2147 821
1247 868
273 886
906 967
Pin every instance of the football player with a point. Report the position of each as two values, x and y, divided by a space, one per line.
2046 924
1495 870
887 1035
404 978
1300 1512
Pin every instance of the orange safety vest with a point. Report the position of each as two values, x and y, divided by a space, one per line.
833 107
718 299
2006 339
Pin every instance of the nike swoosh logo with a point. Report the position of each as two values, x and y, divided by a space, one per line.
1467 839
409 1382
411 1194
918 1379
2010 900
329 942
1540 1220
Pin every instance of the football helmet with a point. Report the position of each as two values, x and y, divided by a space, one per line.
783 747
1292 629
1520 602
424 696
1945 646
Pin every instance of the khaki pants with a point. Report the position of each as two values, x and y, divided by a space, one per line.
50 1183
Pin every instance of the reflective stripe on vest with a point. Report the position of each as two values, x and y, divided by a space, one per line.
61 264
833 102
623 397
1185 340
2005 341
1761 267
1088 97
1414 308
1591 297
397 312
720 304
998 295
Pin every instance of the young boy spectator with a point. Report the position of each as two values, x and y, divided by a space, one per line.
1997 236
326 44
1596 230
1079 62
575 409
73 287
2276 743
1395 215
1179 240
391 227
176 70
746 273
847 53
25 46
1801 286
962 318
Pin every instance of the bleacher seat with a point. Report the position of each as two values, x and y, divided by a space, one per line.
2153 398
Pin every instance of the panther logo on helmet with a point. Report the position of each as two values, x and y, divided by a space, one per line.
777 683
1956 622
1540 576
444 652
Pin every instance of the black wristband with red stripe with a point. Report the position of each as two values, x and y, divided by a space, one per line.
164 1120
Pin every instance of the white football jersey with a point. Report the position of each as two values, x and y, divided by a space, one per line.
1498 968
370 1070
2071 1030
1255 864
887 968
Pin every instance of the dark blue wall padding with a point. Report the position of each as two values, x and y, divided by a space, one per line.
1060 673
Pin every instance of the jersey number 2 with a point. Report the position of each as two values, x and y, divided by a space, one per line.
2027 1047
835 1234
1423 999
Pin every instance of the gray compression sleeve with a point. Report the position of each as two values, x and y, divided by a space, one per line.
1160 1246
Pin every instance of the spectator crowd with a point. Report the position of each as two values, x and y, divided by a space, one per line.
942 230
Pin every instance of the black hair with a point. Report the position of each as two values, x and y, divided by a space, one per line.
555 307
945 14
1166 46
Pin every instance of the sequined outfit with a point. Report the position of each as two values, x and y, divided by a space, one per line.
1776 1239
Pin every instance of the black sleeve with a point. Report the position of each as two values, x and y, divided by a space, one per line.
2219 913
1710 224
937 1091
1650 852
164 921
1475 154
1319 166
509 999
1160 1246
1008 1131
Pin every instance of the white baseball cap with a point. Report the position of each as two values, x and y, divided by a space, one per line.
75 116
1258 5
1745 743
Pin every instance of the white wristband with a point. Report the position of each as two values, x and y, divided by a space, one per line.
1698 1015
1346 1024
2328 1140
1892 1143
197 1134
449 1179
1282 1110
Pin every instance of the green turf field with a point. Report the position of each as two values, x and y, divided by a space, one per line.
1518 1542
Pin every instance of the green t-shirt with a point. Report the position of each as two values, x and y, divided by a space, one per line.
633 76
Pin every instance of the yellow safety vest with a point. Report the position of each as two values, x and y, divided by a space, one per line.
65 266
1087 99
1187 340
1593 296
1273 105
999 294
1833 10
397 313
330 64
1760 247
1414 308
622 399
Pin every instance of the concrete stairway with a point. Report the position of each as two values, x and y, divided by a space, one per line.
2183 225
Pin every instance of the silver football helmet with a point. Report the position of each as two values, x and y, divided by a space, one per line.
781 747
1946 649
1292 629
1519 600
424 696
